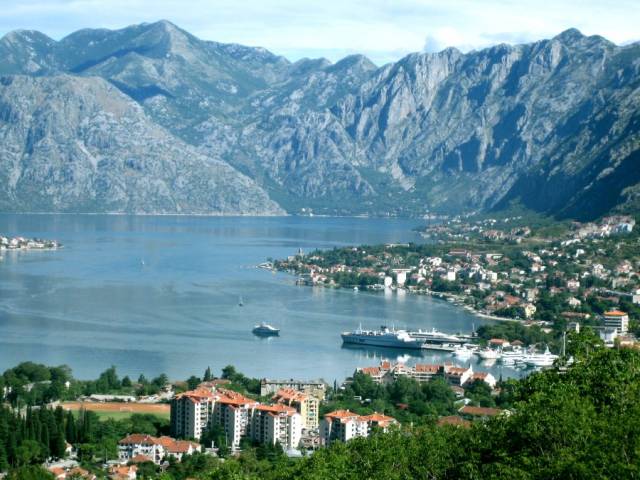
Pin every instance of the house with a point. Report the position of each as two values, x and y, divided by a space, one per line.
498 342
457 375
60 473
123 472
485 377
529 310
141 447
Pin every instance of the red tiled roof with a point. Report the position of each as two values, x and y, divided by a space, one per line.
139 439
373 371
379 418
341 415
290 395
614 313
423 367
279 408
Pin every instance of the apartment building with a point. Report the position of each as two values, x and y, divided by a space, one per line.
305 404
277 424
233 412
343 425
191 413
618 320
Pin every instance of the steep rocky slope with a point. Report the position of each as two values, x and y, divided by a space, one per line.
79 144
552 125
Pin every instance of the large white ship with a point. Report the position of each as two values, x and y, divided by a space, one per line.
382 338
435 336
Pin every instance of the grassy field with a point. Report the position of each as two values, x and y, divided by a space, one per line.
119 411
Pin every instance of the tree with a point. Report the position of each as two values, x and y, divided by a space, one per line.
207 375
31 472
29 452
193 382
126 382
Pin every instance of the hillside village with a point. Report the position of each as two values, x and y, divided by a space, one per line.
501 271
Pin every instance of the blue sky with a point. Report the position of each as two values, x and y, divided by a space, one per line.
384 30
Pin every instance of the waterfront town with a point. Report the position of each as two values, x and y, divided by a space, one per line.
21 243
554 278
222 417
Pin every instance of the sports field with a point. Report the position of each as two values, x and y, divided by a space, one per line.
118 410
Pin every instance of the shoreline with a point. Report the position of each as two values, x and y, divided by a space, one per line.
457 299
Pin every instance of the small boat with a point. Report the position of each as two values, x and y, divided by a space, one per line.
240 302
265 330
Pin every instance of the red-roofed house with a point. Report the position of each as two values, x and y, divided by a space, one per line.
140 448
123 472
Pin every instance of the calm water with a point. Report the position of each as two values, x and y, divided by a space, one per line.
160 294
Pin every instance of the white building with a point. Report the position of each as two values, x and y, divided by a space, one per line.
618 320
191 413
154 449
343 425
234 413
277 424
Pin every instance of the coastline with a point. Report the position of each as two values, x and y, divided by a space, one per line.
453 299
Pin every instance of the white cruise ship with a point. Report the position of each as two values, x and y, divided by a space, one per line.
382 338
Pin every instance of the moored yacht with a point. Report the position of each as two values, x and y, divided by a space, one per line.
464 351
488 354
435 336
382 338
545 359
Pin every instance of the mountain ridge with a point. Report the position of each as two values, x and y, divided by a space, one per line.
443 132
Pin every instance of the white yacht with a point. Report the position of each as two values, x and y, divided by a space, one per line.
488 354
435 336
464 352
512 356
265 329
382 338
545 359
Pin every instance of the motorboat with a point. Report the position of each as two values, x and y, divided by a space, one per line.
265 330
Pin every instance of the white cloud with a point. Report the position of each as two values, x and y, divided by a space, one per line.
383 29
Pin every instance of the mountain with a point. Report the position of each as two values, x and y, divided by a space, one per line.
73 144
552 125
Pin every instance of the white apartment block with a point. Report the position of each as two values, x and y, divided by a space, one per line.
234 413
343 425
277 424
191 412
618 320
